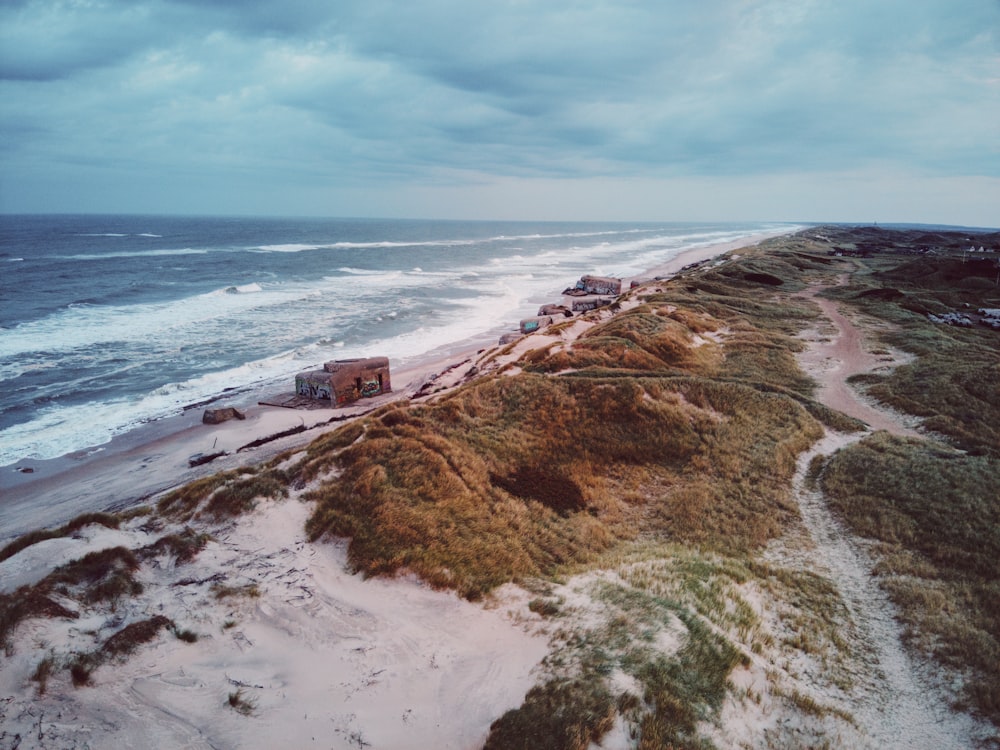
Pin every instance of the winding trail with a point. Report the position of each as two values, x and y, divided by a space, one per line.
831 361
897 706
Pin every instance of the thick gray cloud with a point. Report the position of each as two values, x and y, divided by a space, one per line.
358 106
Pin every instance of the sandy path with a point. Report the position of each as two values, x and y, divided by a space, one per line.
894 702
831 360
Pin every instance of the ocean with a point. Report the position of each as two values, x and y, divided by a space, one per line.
109 322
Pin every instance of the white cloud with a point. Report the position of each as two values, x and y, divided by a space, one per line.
380 98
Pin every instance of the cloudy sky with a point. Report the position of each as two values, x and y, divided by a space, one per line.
799 110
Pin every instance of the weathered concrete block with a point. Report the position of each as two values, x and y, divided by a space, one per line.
218 416
529 325
590 303
555 311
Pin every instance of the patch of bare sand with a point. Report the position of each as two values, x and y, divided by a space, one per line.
322 657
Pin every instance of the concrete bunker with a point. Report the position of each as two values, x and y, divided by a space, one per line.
345 380
599 285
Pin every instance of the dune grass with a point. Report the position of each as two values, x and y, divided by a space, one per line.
619 668
451 491
937 514
643 425
24 541
952 384
224 495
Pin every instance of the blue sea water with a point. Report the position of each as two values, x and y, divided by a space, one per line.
108 322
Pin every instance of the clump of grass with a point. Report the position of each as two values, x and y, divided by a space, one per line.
123 644
102 576
225 495
25 603
240 496
34 537
250 590
544 607
562 714
42 672
184 634
182 546
129 638
241 703
182 502
81 667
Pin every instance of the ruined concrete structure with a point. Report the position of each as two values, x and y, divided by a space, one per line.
345 380
599 285
590 303
555 310
529 325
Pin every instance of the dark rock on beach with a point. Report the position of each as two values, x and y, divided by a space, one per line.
218 416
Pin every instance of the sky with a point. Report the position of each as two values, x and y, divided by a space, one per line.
660 110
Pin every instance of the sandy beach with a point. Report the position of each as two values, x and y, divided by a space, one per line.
153 458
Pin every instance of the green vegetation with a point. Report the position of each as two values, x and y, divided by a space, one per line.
953 383
667 619
937 514
225 495
562 714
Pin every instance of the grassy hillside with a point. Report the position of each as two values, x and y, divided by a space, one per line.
644 426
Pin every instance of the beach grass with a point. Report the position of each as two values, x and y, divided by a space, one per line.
936 514
643 425
108 520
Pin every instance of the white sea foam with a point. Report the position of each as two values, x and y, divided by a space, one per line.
352 312
137 254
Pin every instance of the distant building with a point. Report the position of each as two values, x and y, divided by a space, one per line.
345 380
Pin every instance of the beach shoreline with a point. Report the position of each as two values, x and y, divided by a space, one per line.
154 457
